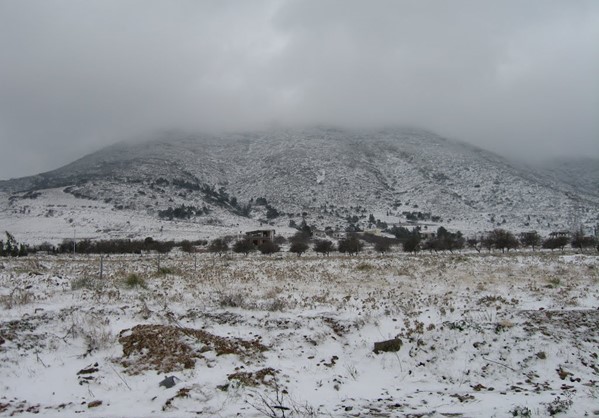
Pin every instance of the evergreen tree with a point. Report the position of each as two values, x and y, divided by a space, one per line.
298 248
530 239
268 247
244 246
412 243
382 246
351 245
503 240
580 241
324 246
218 246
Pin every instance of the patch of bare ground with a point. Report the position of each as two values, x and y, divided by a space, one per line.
261 377
580 324
22 333
168 348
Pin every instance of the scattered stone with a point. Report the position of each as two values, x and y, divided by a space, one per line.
168 382
332 362
387 346
94 404
338 329
462 398
89 369
562 373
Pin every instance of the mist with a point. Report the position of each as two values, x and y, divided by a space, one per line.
517 78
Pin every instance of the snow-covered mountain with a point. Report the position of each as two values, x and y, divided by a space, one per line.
207 185
582 174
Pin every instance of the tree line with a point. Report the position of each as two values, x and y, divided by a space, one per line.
10 247
410 241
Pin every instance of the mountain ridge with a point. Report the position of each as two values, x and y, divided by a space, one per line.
333 177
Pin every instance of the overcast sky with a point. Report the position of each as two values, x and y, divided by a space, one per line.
517 77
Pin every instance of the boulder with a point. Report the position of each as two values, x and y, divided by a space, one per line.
387 346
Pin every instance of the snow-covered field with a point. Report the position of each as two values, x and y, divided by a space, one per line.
481 335
55 215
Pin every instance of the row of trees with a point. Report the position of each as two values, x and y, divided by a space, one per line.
504 240
11 248
116 246
299 244
412 241
498 239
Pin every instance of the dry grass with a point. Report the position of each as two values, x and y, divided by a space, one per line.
261 377
17 297
442 307
168 348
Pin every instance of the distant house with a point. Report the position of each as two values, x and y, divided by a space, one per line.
559 234
317 233
260 236
339 235
427 235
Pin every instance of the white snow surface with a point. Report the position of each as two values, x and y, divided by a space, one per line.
482 335
56 215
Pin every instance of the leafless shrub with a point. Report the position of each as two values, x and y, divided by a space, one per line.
135 280
84 283
231 300
277 304
279 404
364 267
18 296
92 328
559 405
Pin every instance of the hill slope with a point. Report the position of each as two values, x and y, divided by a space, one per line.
334 177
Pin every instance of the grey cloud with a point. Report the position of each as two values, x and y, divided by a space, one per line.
517 77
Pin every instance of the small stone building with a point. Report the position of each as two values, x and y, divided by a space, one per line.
260 236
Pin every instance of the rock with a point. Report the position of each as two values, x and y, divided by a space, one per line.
89 369
168 382
387 346
94 404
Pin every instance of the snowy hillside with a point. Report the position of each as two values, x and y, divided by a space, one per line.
582 173
333 177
